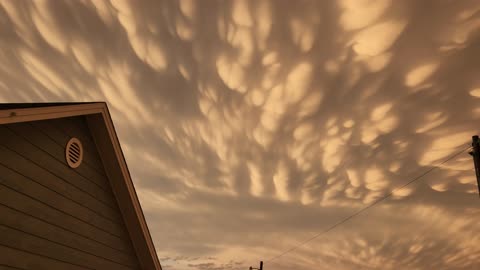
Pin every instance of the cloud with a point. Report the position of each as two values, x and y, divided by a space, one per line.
250 126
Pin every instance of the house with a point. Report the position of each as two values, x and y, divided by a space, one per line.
67 200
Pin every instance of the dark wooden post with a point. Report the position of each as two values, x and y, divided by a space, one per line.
261 267
476 159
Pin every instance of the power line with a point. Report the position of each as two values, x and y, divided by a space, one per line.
367 207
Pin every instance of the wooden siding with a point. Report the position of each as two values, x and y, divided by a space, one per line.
52 216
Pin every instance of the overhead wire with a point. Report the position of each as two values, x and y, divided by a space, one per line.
388 195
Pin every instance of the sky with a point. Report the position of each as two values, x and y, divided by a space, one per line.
250 127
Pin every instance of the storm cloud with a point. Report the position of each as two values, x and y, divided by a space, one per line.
251 126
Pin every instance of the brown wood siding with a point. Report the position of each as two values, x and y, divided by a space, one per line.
52 216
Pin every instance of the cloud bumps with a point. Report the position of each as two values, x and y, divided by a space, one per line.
250 126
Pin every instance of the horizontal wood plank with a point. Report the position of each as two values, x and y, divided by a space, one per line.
15 162
91 157
29 224
7 267
9 140
19 259
41 246
51 215
74 127
55 200
34 136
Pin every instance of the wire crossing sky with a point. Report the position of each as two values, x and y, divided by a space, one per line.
368 206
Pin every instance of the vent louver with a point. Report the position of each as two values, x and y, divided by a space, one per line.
74 153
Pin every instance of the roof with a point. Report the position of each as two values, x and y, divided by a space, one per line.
36 105
105 137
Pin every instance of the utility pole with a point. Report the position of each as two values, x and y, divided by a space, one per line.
476 159
261 267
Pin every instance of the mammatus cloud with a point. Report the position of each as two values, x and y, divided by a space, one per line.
250 126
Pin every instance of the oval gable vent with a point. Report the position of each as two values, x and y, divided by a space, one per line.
74 153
